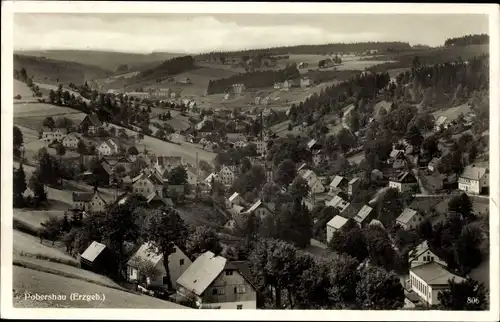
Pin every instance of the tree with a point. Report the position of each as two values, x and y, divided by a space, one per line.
81 147
380 249
60 149
294 224
414 136
164 229
390 207
118 227
343 276
19 186
346 140
379 290
351 241
299 189
466 295
51 228
205 166
17 137
177 176
201 240
38 188
49 122
430 145
462 205
132 151
285 173
145 270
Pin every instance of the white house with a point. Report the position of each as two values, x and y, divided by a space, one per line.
71 140
178 262
105 148
216 283
226 176
239 144
114 146
259 209
319 157
409 219
261 147
167 163
428 280
364 216
146 184
90 201
405 181
334 225
49 135
422 254
209 179
314 183
473 179
234 199
338 184
441 122
338 203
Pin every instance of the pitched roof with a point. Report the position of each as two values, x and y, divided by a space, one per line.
94 120
234 196
441 120
202 272
434 162
473 173
404 177
255 206
336 181
242 268
337 222
144 253
434 274
311 143
353 180
236 210
82 196
363 213
107 168
396 153
406 215
172 161
93 251
418 250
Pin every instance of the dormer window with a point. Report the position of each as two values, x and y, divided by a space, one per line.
229 272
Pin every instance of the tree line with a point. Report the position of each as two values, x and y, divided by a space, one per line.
476 39
257 79
172 66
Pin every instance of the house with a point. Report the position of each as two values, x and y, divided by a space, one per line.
404 181
107 148
306 82
209 179
338 203
314 183
238 89
99 259
71 140
312 144
167 163
257 100
214 282
364 216
441 122
428 280
178 262
288 84
319 157
91 122
353 186
103 173
261 147
338 184
114 146
192 176
278 85
433 164
259 209
148 182
226 176
234 199
160 92
239 144
236 221
422 254
409 219
156 201
474 179
335 224
89 201
51 135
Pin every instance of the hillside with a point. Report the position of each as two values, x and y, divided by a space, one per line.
103 59
58 71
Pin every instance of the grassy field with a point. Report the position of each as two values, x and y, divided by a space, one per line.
42 109
27 245
199 214
54 87
36 282
22 89
454 112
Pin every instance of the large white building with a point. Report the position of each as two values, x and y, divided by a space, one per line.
473 179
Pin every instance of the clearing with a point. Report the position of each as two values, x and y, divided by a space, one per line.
452 113
35 282
22 89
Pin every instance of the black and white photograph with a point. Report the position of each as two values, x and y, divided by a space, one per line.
213 160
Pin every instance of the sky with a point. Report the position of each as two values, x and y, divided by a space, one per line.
199 33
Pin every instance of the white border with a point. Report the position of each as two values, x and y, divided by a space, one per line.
9 7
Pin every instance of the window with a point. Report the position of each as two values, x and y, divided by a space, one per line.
165 280
239 307
174 250
181 262
214 291
229 272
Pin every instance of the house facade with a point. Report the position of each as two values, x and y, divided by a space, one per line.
259 209
473 179
404 182
88 201
422 254
105 149
216 283
146 184
335 224
50 136
409 219
226 176
70 141
178 262
315 185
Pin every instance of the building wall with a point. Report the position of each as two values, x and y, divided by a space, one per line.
96 204
413 223
425 258
317 187
421 288
467 185
225 286
329 233
143 187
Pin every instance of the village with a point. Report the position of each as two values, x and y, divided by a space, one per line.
391 182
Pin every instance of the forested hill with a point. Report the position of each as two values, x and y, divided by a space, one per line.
169 67
319 49
478 39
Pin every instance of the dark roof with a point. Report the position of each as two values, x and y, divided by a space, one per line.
404 177
242 268
107 168
93 119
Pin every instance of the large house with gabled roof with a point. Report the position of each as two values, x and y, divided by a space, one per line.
88 201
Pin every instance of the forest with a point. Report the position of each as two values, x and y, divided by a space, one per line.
172 66
467 40
257 79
